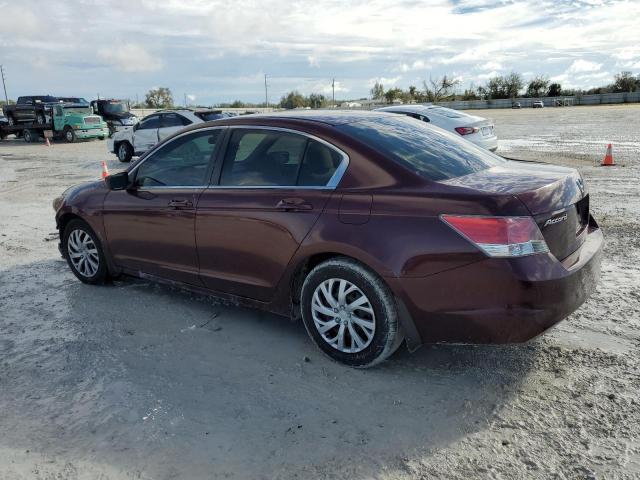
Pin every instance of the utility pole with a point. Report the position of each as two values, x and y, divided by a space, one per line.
333 95
266 92
185 100
4 85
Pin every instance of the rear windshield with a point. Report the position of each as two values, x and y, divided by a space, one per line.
447 112
430 152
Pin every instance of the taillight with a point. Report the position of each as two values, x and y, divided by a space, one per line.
500 236
466 130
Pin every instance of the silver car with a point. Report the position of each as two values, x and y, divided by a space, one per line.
476 129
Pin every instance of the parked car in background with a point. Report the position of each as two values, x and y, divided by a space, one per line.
149 131
30 109
116 113
373 228
209 115
475 129
516 105
537 104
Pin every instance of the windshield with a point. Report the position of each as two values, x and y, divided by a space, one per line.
80 110
430 152
115 107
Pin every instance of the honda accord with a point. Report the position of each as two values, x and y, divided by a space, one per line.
370 227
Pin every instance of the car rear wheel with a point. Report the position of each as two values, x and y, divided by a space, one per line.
40 120
125 152
350 313
69 135
11 120
83 252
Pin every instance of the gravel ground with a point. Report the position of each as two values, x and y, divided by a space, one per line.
138 381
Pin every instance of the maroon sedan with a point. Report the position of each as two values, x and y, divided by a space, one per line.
371 227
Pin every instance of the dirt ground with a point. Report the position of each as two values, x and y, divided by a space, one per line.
138 381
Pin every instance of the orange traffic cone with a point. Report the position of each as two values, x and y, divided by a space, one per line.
105 170
607 161
46 139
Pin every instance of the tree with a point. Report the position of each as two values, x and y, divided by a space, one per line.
317 100
392 94
538 87
555 90
237 104
625 82
377 92
470 95
159 98
513 84
293 100
439 88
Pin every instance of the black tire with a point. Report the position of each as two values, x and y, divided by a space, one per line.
386 337
124 152
40 119
101 272
28 136
69 135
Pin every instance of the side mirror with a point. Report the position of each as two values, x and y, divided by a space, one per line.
118 181
135 127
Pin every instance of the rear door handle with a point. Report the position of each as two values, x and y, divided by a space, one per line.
180 204
292 204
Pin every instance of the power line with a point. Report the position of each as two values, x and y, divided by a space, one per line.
333 94
266 92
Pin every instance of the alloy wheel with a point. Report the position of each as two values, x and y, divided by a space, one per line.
343 315
83 253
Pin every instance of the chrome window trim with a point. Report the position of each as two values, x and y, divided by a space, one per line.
331 184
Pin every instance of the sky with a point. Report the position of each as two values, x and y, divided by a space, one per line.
213 51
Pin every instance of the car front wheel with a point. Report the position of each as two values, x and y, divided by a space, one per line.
69 135
83 253
350 313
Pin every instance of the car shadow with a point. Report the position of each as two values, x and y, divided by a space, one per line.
158 380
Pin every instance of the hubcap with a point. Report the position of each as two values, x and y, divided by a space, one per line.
69 135
343 315
83 253
123 152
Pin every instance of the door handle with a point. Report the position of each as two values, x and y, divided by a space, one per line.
180 204
291 204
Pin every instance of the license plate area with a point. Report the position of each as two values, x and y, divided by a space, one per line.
582 211
486 131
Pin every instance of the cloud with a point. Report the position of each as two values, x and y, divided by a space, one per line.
386 81
130 58
580 65
220 50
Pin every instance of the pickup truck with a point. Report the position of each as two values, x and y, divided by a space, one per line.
68 121
30 109
116 113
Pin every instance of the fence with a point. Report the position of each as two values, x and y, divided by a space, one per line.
598 99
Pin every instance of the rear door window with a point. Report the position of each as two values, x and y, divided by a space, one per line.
427 151
174 120
319 165
262 158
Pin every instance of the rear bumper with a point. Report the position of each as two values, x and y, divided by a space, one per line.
500 300
490 143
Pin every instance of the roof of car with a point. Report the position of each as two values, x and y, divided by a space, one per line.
329 117
407 108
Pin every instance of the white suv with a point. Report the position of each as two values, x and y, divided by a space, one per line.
149 131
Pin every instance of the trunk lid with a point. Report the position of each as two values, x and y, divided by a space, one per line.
555 196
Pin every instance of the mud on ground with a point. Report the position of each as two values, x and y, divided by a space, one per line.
138 381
